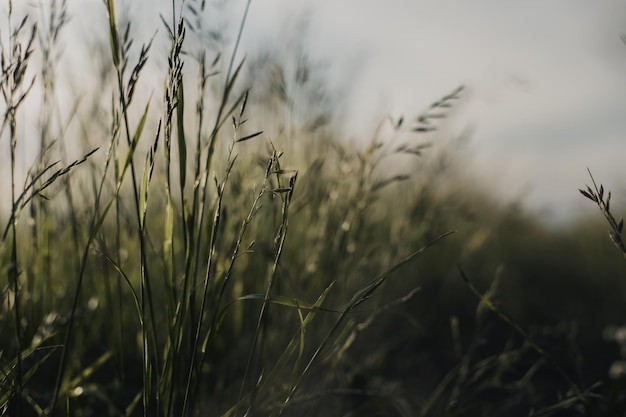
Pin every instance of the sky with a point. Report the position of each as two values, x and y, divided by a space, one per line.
545 81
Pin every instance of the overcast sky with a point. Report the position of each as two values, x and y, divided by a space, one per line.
546 80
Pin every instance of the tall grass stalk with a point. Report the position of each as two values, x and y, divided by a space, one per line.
532 343
359 297
119 52
15 87
596 194
285 191
187 241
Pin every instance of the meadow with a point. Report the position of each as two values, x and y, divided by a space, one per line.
215 247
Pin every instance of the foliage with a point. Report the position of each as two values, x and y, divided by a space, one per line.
188 263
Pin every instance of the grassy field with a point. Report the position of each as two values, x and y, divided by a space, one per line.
216 247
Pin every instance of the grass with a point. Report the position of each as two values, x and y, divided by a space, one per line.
185 261
596 195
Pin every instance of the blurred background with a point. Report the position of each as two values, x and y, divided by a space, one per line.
545 82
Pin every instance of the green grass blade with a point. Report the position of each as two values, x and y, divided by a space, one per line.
133 145
130 285
182 144
88 371
531 342
289 350
114 39
143 193
5 395
358 298
287 302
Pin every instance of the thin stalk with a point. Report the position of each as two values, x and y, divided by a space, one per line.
98 218
146 289
617 227
145 277
178 305
95 223
359 297
531 342
14 63
201 191
230 78
216 309
217 216
14 273
280 243
219 119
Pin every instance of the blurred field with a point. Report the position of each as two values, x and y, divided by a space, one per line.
218 248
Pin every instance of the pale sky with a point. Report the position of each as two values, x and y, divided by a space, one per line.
546 80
